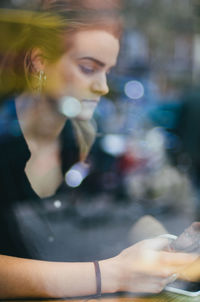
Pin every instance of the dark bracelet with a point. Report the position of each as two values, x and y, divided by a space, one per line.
98 278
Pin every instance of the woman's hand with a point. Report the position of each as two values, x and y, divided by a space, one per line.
143 267
191 272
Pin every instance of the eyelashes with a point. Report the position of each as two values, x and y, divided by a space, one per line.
87 70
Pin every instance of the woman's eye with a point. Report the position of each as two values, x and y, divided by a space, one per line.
87 69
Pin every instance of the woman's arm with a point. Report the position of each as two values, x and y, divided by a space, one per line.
32 278
140 268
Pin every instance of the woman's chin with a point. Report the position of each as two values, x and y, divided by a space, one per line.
85 116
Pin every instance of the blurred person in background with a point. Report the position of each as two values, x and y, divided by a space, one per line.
53 79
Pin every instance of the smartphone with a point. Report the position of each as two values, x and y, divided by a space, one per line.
187 242
191 289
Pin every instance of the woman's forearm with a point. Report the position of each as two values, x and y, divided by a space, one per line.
142 267
32 278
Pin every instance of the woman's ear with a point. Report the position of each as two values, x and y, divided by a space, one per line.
37 59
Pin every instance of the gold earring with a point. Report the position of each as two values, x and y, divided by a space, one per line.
40 81
35 80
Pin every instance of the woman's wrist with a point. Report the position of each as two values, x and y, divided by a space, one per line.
109 275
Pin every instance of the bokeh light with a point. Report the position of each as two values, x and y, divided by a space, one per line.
114 144
134 90
76 174
70 106
57 204
155 139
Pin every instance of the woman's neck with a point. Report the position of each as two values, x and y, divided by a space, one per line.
39 118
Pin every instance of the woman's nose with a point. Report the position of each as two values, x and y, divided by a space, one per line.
100 86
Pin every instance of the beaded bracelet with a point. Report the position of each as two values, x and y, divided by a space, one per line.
98 278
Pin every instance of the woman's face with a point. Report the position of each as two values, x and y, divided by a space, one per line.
82 71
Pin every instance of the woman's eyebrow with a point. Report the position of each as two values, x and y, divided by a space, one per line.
94 60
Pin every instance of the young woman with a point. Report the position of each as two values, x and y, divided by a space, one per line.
64 63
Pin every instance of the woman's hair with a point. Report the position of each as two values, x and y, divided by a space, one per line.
51 28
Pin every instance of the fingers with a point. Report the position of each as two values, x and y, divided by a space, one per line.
147 268
176 259
171 265
163 264
191 272
172 278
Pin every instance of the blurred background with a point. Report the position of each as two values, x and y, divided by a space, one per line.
146 158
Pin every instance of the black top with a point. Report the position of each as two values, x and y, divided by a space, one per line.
15 189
